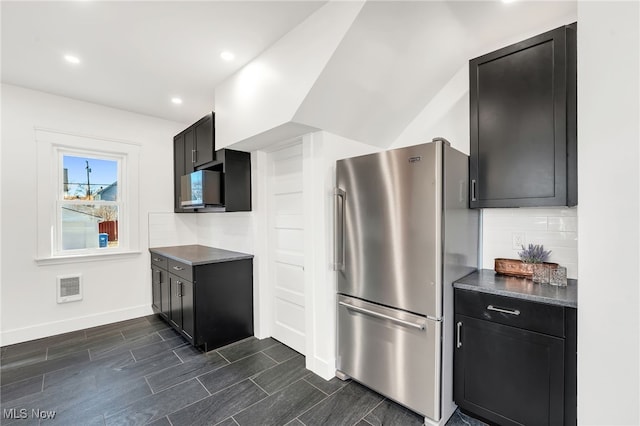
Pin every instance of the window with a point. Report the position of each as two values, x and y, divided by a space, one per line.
88 201
87 196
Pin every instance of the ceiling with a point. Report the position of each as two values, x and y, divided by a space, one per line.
136 56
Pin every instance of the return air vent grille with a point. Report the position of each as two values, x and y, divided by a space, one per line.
69 288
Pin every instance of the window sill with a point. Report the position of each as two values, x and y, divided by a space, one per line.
93 257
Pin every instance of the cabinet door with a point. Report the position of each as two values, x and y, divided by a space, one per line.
508 375
204 140
186 296
520 99
165 294
189 151
156 289
178 169
175 313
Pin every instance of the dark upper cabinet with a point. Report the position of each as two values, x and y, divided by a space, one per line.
194 149
523 123
235 167
204 142
182 150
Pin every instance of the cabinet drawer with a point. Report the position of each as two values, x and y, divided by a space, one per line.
540 317
159 261
180 269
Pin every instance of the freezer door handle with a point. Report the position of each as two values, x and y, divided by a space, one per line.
338 237
458 335
419 326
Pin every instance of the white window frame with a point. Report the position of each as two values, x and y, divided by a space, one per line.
51 147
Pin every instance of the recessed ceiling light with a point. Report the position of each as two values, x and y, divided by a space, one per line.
508 1
227 56
72 59
176 101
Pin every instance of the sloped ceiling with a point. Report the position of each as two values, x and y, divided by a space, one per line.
395 57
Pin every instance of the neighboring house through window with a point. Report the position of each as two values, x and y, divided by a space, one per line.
87 195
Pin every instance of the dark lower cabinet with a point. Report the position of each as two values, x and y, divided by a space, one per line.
182 305
156 292
512 361
160 289
210 304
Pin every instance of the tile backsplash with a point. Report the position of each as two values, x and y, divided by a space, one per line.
169 229
555 228
230 231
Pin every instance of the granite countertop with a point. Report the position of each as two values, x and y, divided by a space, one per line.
487 281
199 255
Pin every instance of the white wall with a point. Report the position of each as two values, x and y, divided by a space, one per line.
113 289
446 115
608 229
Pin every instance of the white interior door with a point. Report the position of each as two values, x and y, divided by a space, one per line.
286 246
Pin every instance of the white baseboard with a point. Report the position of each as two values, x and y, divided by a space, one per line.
38 331
323 368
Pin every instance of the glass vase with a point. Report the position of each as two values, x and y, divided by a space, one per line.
541 273
558 276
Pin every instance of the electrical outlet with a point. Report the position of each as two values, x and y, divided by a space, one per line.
517 240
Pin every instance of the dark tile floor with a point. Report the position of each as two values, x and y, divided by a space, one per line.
142 372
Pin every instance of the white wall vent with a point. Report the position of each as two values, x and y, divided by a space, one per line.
69 288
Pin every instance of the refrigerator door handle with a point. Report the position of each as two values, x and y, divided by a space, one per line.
338 218
419 326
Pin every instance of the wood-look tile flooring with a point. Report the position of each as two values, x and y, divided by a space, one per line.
140 371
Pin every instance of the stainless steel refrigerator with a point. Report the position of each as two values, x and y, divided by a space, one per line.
403 234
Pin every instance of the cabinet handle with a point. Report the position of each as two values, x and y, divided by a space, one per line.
503 310
194 155
156 259
458 335
179 288
473 190
178 268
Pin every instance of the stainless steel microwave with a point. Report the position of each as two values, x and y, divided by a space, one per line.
200 189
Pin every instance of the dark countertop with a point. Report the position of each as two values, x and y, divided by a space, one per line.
199 255
487 281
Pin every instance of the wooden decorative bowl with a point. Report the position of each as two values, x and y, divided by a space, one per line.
517 268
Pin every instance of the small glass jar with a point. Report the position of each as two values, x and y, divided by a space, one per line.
558 276
541 273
